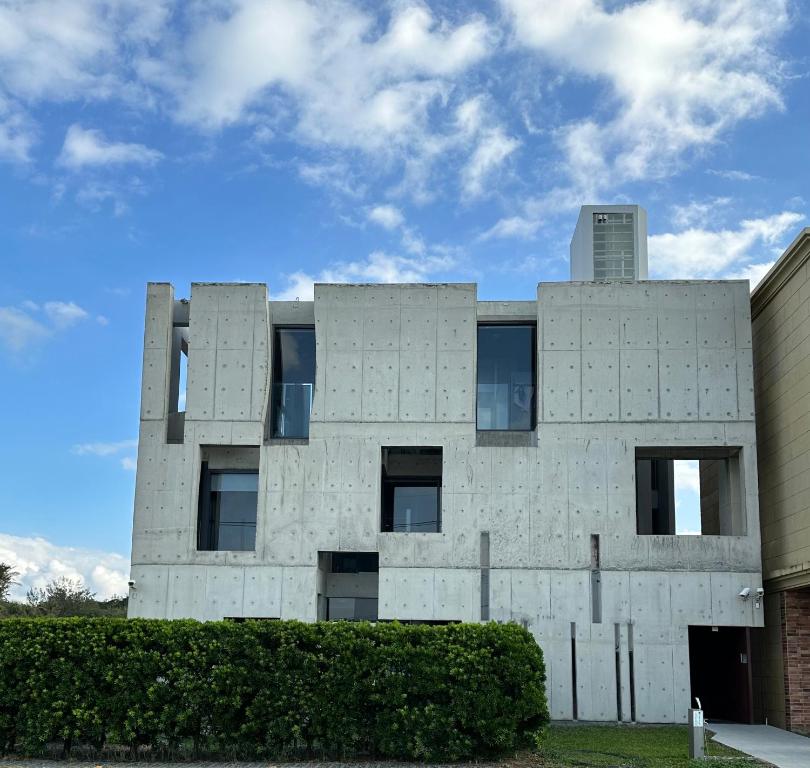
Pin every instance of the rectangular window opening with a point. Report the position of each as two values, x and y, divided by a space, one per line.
411 490
507 386
227 508
293 381
690 492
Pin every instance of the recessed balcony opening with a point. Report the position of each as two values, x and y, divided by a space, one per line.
690 492
411 490
348 586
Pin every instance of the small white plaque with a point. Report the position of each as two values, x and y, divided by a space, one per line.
697 718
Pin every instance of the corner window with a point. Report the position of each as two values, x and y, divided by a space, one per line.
506 377
411 490
293 381
227 509
689 491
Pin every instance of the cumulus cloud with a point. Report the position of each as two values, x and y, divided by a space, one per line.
699 253
64 49
24 326
379 267
675 74
88 148
38 561
350 84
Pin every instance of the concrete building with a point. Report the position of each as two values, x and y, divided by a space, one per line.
610 243
780 308
410 452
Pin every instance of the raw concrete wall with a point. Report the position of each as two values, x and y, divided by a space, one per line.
620 366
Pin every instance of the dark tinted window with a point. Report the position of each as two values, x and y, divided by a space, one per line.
411 490
293 381
227 513
506 378
355 562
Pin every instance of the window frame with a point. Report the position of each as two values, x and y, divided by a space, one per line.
409 481
277 379
204 509
535 378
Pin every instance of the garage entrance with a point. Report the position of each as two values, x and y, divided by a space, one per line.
720 672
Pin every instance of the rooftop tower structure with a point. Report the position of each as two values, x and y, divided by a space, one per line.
609 243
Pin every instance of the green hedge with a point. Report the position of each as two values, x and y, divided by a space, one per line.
270 689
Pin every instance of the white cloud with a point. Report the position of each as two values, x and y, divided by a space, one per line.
64 49
129 463
18 329
753 273
699 212
379 267
386 216
103 449
514 226
21 327
675 75
493 148
350 84
64 314
88 148
38 561
17 133
696 253
687 475
733 175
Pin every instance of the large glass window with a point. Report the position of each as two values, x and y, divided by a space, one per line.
293 381
506 377
411 490
227 510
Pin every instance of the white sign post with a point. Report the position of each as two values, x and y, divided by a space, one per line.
695 727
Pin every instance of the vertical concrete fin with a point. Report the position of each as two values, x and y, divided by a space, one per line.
157 347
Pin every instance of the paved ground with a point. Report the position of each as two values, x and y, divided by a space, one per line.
782 748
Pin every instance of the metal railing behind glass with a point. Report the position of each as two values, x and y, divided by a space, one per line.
292 405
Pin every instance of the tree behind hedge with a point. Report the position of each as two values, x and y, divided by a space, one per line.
271 689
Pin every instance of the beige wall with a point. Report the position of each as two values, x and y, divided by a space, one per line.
781 341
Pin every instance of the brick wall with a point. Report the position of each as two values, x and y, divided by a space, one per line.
796 655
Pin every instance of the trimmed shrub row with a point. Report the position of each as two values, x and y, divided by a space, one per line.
270 689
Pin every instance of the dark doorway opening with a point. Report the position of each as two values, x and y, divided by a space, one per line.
720 672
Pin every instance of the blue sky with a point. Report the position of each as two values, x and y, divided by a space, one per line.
290 141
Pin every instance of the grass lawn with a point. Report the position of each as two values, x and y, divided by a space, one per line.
631 746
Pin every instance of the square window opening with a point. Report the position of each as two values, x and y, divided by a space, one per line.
506 385
348 586
293 381
690 492
411 490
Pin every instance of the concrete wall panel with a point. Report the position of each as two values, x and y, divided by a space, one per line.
600 386
638 384
561 386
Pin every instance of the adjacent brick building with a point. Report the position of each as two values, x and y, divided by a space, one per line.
780 310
